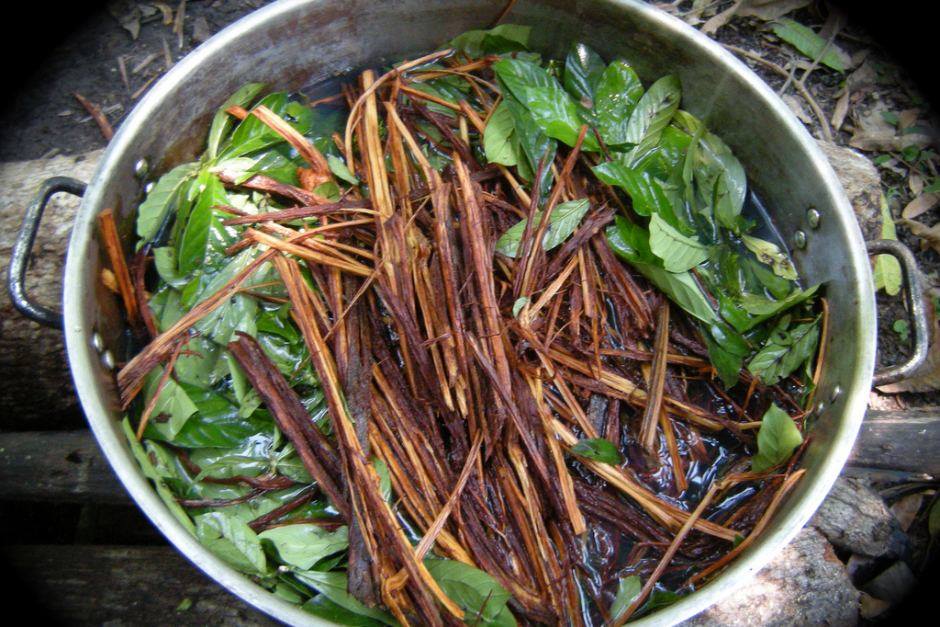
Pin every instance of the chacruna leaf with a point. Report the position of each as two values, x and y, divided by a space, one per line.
770 253
598 449
678 252
777 438
563 221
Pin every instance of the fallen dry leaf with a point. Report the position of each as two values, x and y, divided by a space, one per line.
906 509
713 24
840 111
916 184
929 234
770 9
907 118
920 205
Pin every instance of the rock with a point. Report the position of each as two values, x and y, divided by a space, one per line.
862 184
805 584
895 583
40 395
870 607
854 518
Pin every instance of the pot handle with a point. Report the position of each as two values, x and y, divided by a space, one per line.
915 307
23 248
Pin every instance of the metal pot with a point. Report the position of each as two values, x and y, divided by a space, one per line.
294 43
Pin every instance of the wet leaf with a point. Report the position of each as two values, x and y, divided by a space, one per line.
777 438
583 71
562 223
654 111
784 352
678 252
598 449
498 137
616 96
770 254
162 199
232 540
303 545
480 596
501 39
627 591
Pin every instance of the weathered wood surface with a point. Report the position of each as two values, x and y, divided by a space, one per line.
35 384
900 440
97 585
68 465
56 466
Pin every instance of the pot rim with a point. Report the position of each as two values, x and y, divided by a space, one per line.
84 361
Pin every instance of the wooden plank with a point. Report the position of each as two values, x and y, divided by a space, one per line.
900 440
95 585
56 465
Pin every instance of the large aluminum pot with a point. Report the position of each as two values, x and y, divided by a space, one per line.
294 43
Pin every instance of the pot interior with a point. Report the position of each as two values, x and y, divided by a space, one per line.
297 43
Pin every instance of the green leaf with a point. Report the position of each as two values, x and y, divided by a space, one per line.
583 71
339 168
162 199
498 40
480 596
320 605
217 423
518 305
222 121
631 242
498 137
902 328
770 254
385 479
644 189
533 143
333 585
887 272
678 252
550 106
616 96
653 112
762 308
777 439
809 43
232 540
727 363
597 449
168 498
563 221
164 259
195 239
627 591
303 545
784 351
173 407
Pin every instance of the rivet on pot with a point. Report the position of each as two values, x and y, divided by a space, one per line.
108 360
836 393
96 342
799 239
141 168
820 406
148 187
812 217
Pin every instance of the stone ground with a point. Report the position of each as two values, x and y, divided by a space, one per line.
868 544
